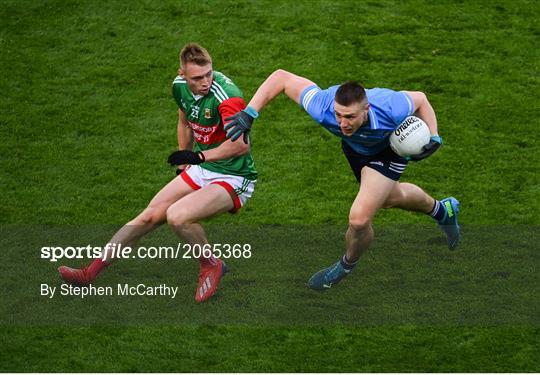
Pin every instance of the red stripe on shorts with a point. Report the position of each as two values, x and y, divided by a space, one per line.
234 196
189 181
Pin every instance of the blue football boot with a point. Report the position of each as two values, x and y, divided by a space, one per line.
324 279
449 224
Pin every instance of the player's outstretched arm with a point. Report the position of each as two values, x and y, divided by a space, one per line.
279 81
424 110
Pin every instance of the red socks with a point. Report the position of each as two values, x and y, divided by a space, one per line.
208 262
95 268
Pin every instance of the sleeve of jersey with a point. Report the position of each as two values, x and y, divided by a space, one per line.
313 99
401 106
229 107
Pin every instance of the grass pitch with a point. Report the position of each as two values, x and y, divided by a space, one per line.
88 120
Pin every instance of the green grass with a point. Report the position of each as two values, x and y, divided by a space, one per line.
258 349
88 120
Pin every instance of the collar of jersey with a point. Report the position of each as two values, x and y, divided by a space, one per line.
196 97
373 123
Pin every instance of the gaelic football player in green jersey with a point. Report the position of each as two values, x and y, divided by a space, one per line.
214 175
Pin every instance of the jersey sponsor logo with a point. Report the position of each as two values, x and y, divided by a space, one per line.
207 134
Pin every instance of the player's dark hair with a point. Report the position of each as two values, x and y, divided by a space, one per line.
349 93
194 53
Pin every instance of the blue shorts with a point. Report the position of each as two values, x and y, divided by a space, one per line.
386 162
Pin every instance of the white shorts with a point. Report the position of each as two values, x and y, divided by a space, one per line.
239 188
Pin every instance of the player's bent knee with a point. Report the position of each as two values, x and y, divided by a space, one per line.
394 199
359 224
177 216
150 216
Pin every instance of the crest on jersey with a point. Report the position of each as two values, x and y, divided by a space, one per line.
207 113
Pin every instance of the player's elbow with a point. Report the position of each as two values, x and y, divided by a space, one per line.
423 97
280 76
419 98
280 73
418 95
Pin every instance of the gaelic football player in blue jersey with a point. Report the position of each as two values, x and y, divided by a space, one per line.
364 120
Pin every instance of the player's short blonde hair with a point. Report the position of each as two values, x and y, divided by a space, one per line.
194 53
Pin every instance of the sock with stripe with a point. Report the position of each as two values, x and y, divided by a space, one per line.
438 212
347 265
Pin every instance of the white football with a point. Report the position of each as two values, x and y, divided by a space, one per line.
410 136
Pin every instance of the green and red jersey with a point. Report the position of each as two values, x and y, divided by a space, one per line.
206 116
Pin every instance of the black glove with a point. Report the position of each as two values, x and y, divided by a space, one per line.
186 157
240 123
434 143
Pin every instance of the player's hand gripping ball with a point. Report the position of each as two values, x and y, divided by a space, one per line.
412 139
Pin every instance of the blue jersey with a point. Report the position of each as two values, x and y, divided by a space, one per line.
387 110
